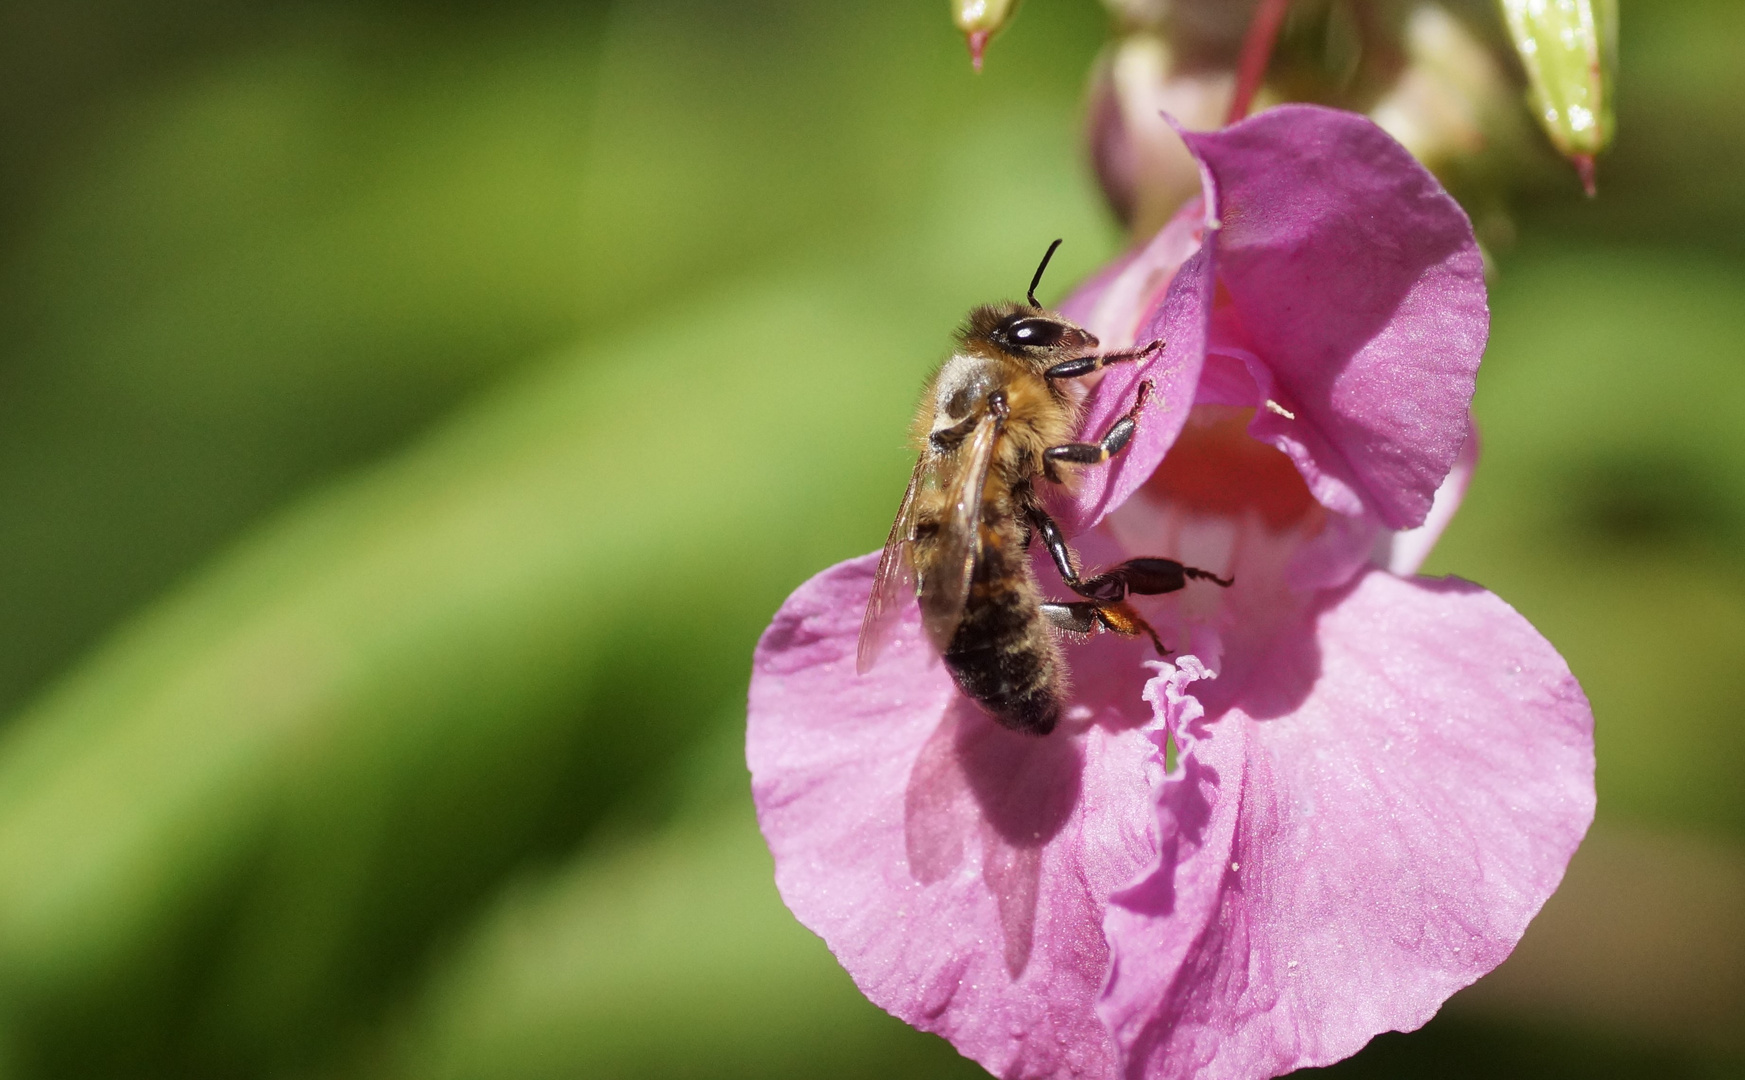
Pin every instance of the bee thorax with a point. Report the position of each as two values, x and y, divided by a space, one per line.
961 389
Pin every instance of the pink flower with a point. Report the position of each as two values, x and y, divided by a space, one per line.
1352 788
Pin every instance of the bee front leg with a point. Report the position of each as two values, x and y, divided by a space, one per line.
1080 366
1115 440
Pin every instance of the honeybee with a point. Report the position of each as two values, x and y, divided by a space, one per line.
993 419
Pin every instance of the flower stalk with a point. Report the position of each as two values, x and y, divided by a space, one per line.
1257 46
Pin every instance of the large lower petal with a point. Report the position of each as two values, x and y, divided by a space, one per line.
958 871
1376 817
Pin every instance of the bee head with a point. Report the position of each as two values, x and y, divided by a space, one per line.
1032 331
1038 334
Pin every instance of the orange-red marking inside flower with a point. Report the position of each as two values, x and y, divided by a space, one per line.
1216 467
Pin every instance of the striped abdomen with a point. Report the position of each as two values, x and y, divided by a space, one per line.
1003 655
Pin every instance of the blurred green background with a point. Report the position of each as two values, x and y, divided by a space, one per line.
411 414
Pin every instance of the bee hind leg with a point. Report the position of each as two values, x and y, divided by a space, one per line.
1145 577
1086 617
1123 620
1077 618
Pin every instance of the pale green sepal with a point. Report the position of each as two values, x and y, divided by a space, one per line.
1569 50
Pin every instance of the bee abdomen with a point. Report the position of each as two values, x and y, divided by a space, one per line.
1016 698
1003 657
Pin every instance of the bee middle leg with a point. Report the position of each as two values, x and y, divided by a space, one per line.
1114 440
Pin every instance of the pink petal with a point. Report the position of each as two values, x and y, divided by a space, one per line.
1352 292
958 871
1161 290
1404 552
1356 280
1367 828
1173 372
1121 298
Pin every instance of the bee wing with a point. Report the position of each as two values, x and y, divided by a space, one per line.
945 584
894 583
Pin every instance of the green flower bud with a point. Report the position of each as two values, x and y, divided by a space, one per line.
980 20
1569 49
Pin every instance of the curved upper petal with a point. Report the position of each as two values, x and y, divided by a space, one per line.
1375 820
1334 267
960 872
1357 282
1173 372
1404 552
1160 290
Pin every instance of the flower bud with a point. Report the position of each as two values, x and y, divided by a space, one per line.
1202 33
980 20
1145 170
1453 106
1568 48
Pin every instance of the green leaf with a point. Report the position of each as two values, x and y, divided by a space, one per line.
668 955
231 837
1609 508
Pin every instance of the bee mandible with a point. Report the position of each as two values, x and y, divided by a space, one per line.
993 420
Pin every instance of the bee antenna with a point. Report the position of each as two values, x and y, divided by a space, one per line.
1037 280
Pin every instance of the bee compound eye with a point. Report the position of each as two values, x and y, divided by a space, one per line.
1035 333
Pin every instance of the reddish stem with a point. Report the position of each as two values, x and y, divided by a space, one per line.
1584 168
1257 46
978 44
